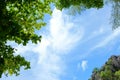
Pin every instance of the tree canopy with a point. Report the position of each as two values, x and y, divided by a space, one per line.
77 6
18 21
109 71
60 4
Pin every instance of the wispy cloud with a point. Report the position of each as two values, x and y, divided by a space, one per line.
58 42
84 65
63 32
105 42
62 35
109 38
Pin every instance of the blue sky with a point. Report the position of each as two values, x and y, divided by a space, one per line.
71 47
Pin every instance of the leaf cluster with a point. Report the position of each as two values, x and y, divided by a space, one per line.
9 63
82 3
18 21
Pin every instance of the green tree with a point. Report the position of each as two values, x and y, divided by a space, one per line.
18 21
109 71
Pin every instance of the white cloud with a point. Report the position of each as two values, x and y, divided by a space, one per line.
59 41
84 65
62 36
105 41
63 32
108 39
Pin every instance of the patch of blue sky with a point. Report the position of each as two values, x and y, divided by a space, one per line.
97 30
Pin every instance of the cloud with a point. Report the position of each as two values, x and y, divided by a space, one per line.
62 36
64 32
108 39
105 42
84 65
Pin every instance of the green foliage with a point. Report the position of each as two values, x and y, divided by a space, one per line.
10 64
109 71
82 3
95 70
106 75
117 74
18 21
